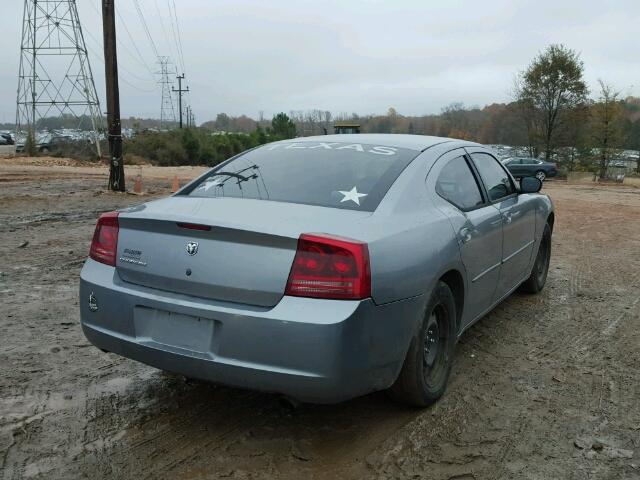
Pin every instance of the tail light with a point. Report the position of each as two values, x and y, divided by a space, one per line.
330 267
105 239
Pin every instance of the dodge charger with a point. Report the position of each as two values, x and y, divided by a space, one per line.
319 268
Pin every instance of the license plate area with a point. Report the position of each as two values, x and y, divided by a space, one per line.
184 332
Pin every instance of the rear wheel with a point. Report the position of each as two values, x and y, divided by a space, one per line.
538 277
425 373
540 175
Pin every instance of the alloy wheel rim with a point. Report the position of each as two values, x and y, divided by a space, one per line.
540 176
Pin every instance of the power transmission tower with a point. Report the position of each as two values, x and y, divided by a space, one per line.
180 91
167 109
55 77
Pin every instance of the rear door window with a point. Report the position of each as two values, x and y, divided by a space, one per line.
495 178
330 174
457 184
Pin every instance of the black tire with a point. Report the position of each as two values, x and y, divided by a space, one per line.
425 373
45 150
536 281
541 175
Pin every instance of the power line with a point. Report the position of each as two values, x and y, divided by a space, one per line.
100 59
146 28
172 47
175 14
133 42
176 32
140 58
120 66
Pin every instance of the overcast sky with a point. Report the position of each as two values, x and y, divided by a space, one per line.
345 56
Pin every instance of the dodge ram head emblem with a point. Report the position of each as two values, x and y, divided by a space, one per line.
192 248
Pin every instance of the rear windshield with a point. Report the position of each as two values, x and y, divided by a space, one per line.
330 174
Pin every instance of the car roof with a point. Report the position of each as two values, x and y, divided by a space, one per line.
412 142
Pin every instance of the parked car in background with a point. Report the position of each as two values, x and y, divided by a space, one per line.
321 268
6 139
530 167
46 144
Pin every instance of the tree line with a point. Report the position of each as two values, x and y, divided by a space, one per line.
201 146
552 113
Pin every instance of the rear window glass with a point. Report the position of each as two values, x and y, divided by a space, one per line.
330 174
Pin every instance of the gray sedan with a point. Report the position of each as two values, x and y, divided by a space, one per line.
320 268
530 167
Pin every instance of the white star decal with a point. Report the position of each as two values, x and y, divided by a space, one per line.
352 195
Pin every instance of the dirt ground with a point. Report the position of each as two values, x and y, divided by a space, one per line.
544 387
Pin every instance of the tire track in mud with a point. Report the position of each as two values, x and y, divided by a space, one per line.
574 336
80 216
203 441
181 429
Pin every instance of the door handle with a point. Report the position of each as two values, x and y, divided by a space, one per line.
464 235
507 217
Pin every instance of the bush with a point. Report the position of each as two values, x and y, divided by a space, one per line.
80 150
192 146
30 145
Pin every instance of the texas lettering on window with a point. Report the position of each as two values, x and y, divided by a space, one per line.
355 147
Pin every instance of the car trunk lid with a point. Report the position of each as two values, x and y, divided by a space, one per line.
228 249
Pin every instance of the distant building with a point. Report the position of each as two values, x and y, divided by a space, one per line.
346 127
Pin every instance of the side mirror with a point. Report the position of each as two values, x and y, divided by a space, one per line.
530 185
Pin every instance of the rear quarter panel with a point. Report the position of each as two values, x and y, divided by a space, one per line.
417 245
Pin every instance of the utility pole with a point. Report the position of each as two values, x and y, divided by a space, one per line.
116 167
180 91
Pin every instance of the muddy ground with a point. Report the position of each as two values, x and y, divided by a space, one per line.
544 387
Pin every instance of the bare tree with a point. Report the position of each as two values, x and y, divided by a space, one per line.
606 117
454 121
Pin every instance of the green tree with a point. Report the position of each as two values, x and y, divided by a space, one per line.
550 87
259 136
223 122
191 145
282 126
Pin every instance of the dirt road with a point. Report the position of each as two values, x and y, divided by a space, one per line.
544 387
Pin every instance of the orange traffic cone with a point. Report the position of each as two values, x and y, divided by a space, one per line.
175 186
137 187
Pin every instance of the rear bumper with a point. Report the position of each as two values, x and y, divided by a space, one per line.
320 351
